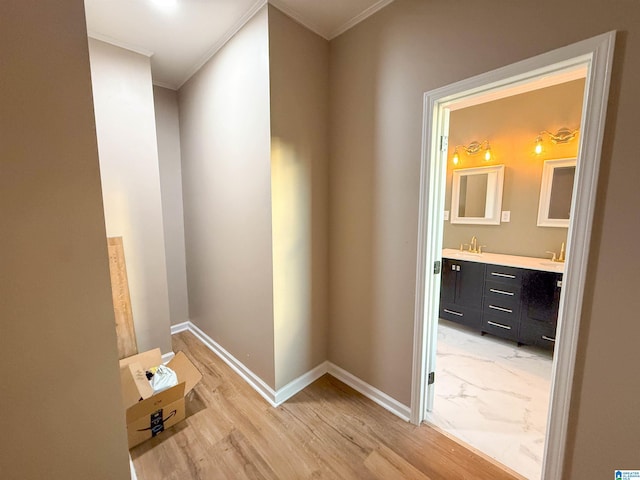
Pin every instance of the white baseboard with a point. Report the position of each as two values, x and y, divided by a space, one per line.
303 381
237 366
180 327
166 357
371 392
276 398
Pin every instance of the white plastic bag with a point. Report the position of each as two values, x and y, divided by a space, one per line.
163 378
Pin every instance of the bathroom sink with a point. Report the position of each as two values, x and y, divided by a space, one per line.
466 254
555 266
534 263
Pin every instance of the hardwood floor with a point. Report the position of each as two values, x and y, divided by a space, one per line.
327 431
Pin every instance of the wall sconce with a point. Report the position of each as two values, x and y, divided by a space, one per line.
472 149
563 135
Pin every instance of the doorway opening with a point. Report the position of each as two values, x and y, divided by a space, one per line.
591 58
500 291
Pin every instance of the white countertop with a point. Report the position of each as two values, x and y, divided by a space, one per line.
532 263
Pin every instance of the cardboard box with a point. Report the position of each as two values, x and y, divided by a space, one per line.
149 414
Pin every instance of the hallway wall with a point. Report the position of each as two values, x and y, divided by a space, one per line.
126 130
169 161
299 93
225 142
380 70
62 416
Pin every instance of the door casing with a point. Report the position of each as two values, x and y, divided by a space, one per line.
596 55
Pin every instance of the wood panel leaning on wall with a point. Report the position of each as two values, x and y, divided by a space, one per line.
127 344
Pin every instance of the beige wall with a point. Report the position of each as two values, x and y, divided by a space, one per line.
125 125
60 415
379 72
373 196
299 77
168 133
225 142
511 125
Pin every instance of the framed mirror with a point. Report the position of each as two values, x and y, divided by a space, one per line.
556 192
476 195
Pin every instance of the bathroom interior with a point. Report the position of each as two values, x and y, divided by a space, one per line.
510 170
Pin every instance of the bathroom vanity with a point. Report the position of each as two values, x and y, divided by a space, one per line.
516 298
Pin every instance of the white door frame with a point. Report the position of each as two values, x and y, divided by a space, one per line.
597 55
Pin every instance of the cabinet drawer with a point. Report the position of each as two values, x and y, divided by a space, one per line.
505 310
505 328
502 294
507 275
537 333
463 315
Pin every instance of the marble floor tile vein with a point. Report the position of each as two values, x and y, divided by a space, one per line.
493 395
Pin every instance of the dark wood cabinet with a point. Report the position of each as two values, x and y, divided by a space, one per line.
513 303
502 296
449 279
540 304
461 292
469 284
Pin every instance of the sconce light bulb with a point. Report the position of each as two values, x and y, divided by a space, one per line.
538 148
455 159
487 154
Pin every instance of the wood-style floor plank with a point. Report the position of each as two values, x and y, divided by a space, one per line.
327 431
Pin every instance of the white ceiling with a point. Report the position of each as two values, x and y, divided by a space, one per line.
181 35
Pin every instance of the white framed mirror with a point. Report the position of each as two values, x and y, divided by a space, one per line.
476 195
556 192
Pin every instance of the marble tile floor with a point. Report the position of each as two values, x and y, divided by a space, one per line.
493 395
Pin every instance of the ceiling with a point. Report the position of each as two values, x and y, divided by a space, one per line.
181 35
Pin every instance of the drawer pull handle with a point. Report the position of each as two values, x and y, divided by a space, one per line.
506 327
454 313
501 292
544 337
508 310
505 275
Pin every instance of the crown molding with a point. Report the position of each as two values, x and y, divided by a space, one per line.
358 18
295 15
221 43
329 35
118 43
290 12
164 85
